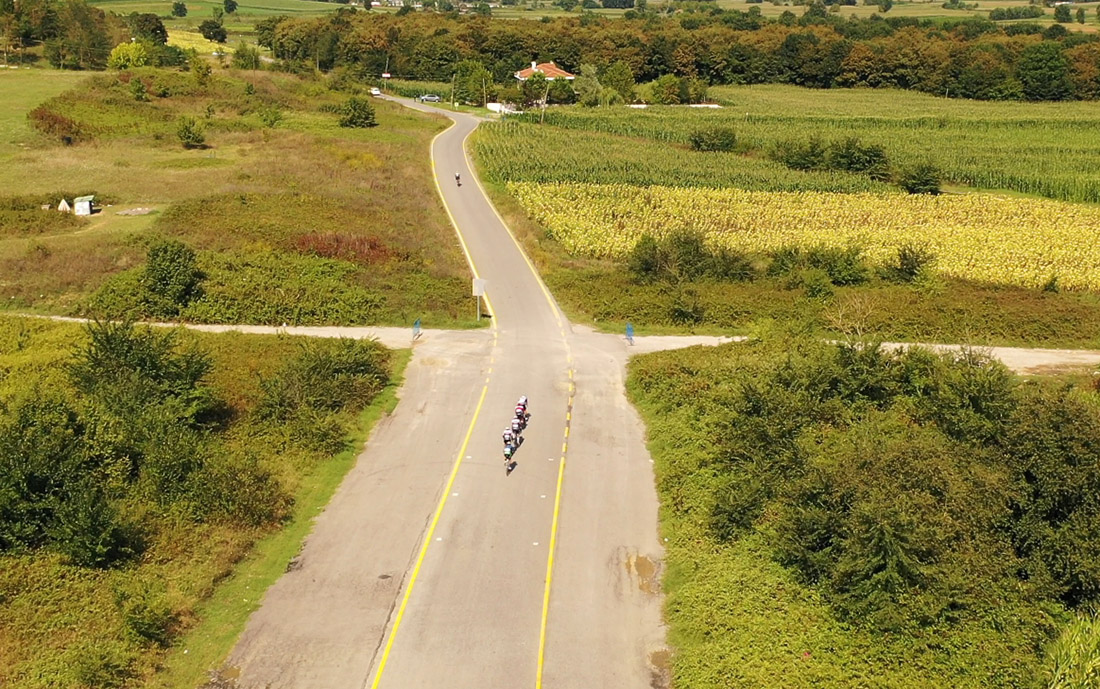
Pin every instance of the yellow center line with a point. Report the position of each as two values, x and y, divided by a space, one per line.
465 441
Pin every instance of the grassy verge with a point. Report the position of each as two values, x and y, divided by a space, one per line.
180 494
223 616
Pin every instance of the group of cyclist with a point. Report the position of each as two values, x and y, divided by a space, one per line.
513 433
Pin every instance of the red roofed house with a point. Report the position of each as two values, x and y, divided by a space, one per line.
547 69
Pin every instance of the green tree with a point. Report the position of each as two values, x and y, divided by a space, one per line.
172 278
619 77
200 70
483 9
587 87
179 9
230 6
212 30
190 133
147 27
473 83
666 90
247 57
1044 72
127 56
1080 15
1062 14
535 90
356 113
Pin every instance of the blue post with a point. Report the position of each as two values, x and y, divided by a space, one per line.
629 333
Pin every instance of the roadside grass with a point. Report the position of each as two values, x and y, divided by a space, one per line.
63 625
222 617
252 190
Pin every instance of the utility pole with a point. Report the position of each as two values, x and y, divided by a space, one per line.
545 97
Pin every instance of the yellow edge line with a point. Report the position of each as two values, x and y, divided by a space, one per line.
527 260
427 541
451 217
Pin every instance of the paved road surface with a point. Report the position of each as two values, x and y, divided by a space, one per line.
429 567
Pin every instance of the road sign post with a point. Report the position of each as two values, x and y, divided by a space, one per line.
479 292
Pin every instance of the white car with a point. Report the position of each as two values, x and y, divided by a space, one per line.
375 91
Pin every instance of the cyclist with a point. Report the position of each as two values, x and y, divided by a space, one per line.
517 427
458 179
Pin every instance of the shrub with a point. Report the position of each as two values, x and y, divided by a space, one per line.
808 155
247 57
172 278
326 375
179 9
644 262
850 155
190 133
357 113
817 284
910 263
85 527
56 125
146 611
923 178
713 139
271 117
138 91
1073 660
843 266
128 56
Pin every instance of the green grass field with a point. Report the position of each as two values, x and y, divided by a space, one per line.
23 89
344 223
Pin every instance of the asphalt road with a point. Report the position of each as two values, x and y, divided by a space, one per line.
432 566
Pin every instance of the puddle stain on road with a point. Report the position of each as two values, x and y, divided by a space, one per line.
646 572
660 671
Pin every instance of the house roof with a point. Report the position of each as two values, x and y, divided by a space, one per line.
80 199
547 69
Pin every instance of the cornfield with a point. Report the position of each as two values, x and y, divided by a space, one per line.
979 237
1038 153
521 152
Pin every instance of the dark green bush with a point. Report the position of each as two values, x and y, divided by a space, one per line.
357 113
190 133
644 262
850 155
911 262
326 375
86 527
923 178
172 278
801 155
713 139
843 266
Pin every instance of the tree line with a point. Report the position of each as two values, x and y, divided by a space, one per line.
972 58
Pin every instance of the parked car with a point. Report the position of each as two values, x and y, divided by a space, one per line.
375 91
430 98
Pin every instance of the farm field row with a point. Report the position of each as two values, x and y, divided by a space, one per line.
1042 149
976 237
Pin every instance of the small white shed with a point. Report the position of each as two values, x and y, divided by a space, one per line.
83 205
64 206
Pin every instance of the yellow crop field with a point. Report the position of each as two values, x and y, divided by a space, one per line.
980 237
